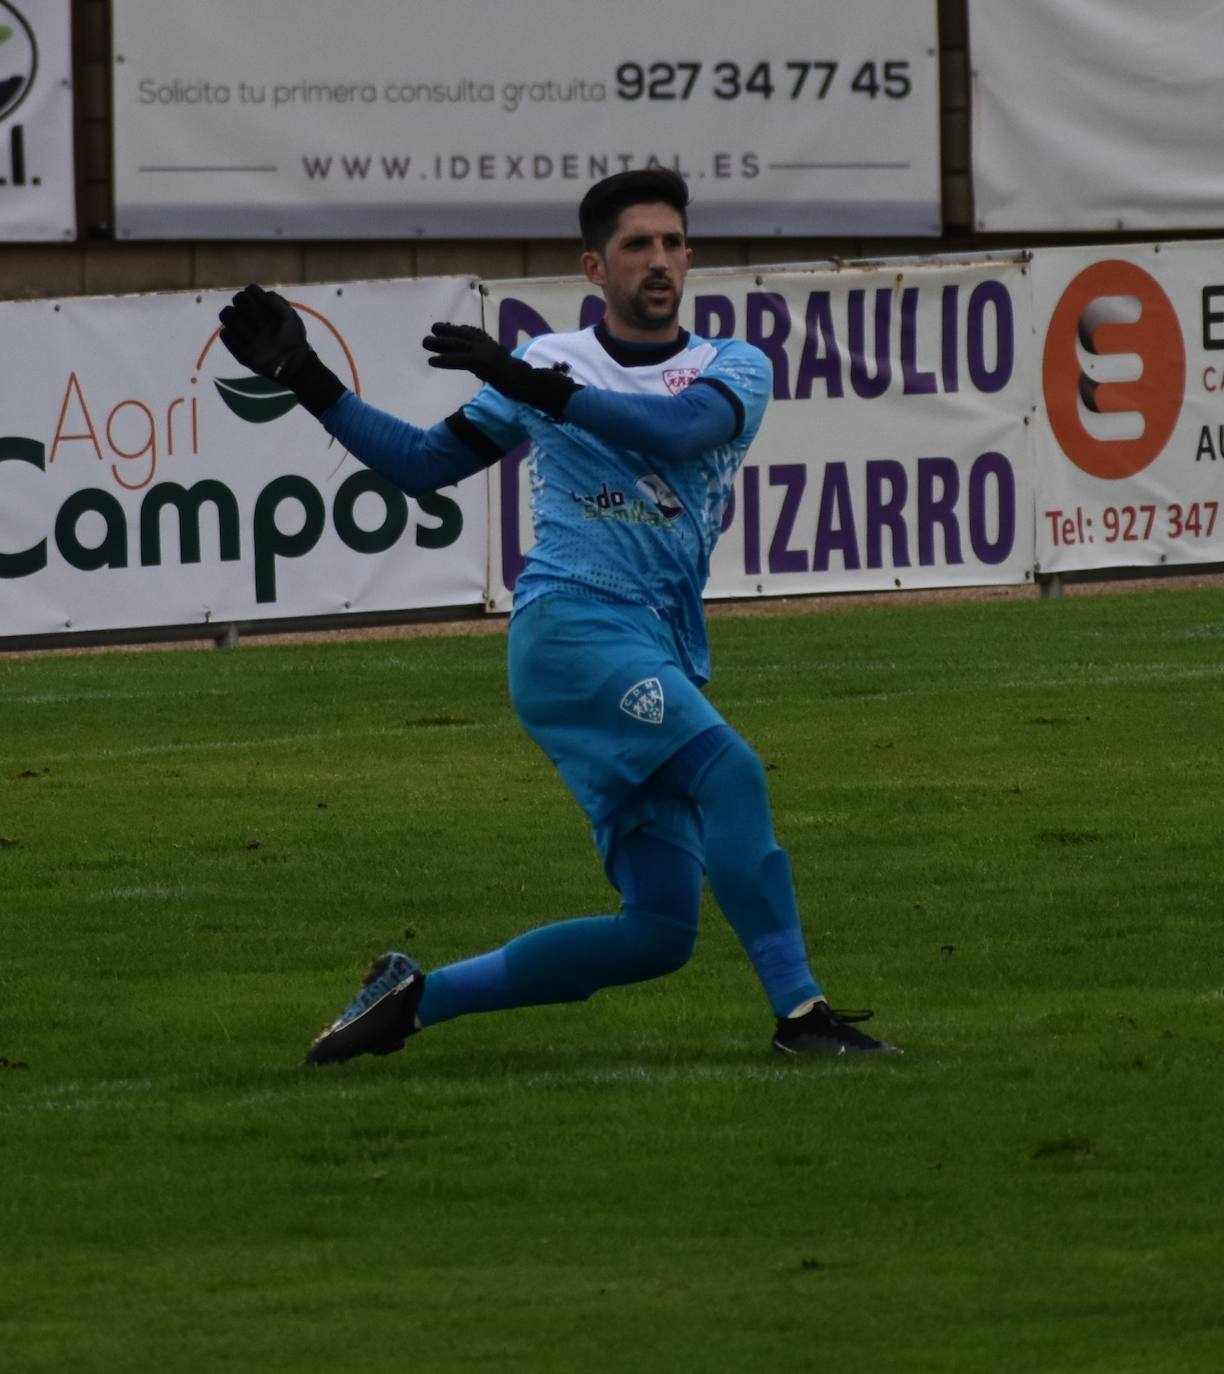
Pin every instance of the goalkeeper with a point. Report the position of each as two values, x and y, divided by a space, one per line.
636 431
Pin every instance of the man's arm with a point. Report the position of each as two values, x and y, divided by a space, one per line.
264 332
701 417
416 460
705 415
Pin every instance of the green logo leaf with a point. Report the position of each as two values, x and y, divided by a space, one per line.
255 399
5 33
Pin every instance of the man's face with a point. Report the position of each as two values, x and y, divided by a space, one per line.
641 272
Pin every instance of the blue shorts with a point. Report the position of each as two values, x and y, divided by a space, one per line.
600 689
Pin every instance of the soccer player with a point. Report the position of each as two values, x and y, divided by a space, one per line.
637 429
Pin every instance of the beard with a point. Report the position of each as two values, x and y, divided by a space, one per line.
649 312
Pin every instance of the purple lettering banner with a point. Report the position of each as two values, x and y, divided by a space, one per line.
896 450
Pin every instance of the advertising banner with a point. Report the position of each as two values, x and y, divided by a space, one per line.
1130 433
1097 116
480 119
148 479
37 183
934 423
895 452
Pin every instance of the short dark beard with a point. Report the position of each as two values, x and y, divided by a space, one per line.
642 320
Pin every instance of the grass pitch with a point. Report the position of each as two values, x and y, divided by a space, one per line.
1005 824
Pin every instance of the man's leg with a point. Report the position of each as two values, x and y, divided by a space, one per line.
750 875
751 880
567 961
660 886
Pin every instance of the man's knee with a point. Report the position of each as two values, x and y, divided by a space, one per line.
661 945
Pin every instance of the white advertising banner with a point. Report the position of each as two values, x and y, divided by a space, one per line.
475 118
1130 433
148 479
1097 116
895 452
37 182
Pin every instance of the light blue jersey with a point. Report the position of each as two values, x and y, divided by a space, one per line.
607 654
629 525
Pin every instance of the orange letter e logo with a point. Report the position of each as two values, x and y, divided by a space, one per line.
1114 370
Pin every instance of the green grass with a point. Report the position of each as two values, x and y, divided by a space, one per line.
1005 823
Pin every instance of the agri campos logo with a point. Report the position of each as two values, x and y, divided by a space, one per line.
18 58
216 512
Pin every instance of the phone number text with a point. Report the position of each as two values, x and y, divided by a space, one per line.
1133 524
888 80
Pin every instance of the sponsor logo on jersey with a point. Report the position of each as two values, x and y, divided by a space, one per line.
605 499
675 379
609 504
644 701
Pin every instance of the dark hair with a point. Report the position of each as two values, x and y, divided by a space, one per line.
602 205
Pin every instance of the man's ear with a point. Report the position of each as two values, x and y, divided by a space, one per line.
593 266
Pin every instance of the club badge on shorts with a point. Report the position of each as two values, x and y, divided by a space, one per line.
644 701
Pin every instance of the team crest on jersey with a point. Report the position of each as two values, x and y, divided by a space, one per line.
644 701
675 379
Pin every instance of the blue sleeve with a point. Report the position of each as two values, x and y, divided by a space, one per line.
496 417
725 403
416 460
698 419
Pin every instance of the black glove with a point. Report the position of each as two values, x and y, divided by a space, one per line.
464 348
264 332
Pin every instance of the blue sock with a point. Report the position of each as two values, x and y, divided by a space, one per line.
749 875
569 960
